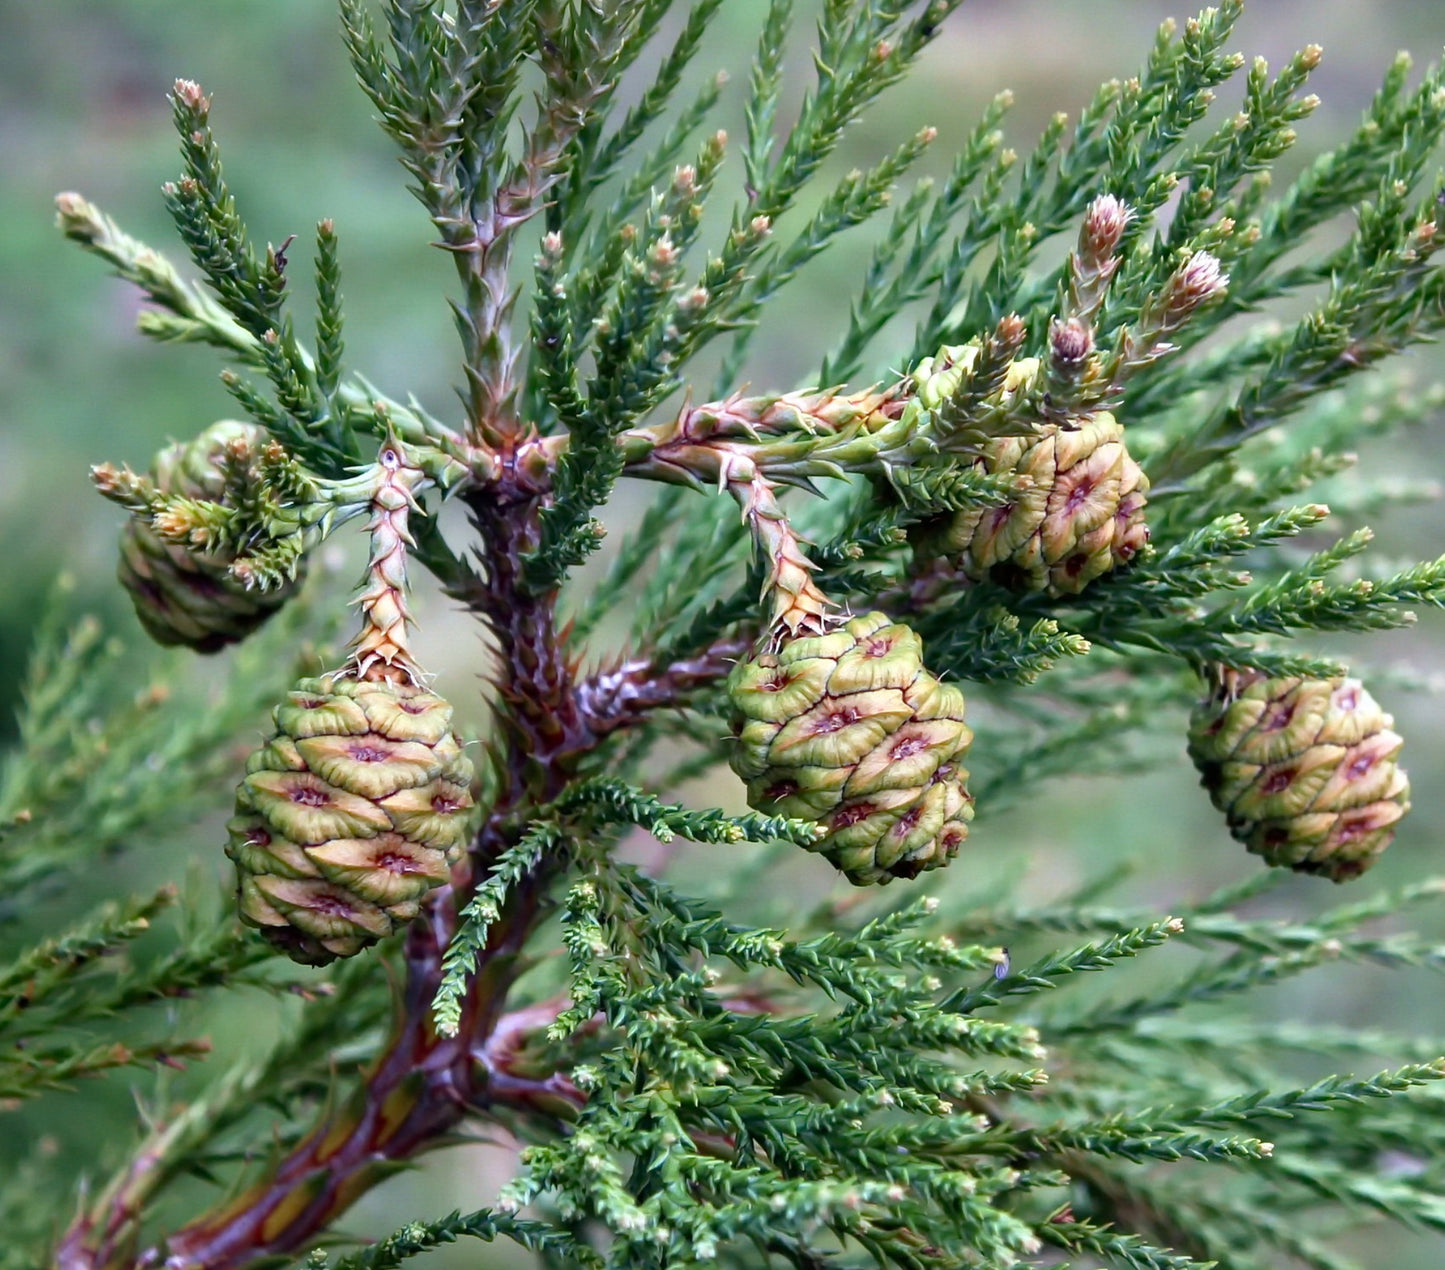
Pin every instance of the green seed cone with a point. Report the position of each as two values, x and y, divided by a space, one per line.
1080 514
182 595
348 816
1305 770
849 729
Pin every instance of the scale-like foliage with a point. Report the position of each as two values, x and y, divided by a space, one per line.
1076 488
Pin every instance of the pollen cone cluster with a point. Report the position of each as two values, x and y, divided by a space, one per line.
1078 513
1305 770
850 730
349 815
182 594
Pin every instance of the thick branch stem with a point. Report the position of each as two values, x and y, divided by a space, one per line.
419 1091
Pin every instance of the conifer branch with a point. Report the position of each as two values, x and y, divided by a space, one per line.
721 1076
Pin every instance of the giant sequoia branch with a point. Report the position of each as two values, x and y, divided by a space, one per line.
988 475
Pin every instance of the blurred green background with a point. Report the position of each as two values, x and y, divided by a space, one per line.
82 106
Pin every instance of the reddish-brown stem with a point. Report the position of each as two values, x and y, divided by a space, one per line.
548 1094
625 694
535 684
420 1089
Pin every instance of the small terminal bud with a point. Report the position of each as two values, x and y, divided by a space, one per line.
1197 281
78 219
664 254
189 94
1105 224
1010 330
1072 342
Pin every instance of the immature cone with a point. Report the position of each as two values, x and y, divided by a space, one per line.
358 805
1079 511
850 730
184 595
349 815
1305 770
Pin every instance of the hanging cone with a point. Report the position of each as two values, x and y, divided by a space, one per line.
349 815
1305 770
358 806
850 730
181 594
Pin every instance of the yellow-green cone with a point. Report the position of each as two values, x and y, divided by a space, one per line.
849 729
1305 770
349 815
1080 514
1080 509
183 595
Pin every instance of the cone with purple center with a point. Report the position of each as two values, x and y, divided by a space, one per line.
1078 512
849 729
349 815
1305 770
1079 507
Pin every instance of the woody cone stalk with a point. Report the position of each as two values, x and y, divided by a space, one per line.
357 807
